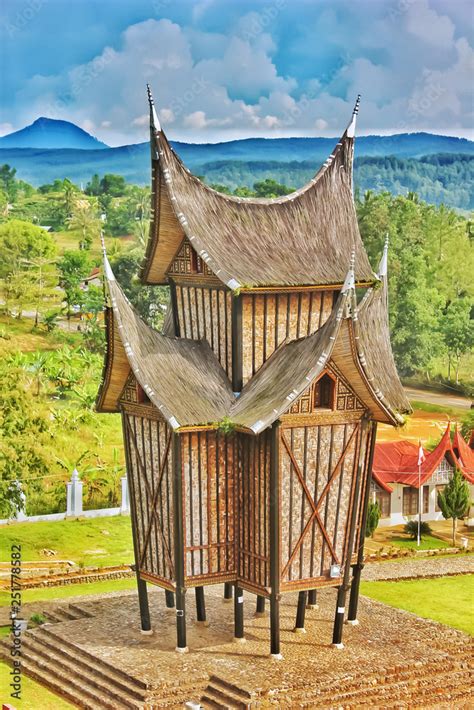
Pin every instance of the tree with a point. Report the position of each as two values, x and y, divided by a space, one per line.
454 500
373 517
84 220
113 185
20 241
73 267
69 189
271 188
45 281
93 187
7 181
457 329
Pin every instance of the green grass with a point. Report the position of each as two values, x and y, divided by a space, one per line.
33 695
446 599
437 408
428 542
46 594
95 542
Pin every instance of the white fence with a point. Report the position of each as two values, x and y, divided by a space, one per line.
74 504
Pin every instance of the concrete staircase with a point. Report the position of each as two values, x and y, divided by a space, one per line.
76 675
220 694
68 612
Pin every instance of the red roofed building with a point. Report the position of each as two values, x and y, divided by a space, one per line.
396 478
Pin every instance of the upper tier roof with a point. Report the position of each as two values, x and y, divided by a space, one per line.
299 239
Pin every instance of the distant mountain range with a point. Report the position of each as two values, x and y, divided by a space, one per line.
50 133
440 168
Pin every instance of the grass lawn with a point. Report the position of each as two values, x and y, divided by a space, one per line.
46 594
428 542
33 695
94 542
446 599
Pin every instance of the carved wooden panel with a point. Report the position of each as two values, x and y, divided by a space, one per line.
342 399
187 262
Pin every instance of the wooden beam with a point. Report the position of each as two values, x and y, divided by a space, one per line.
237 372
179 545
275 532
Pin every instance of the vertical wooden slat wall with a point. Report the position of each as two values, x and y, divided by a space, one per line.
208 460
269 318
205 312
253 552
149 453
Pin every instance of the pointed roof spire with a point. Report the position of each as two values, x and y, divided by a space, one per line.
350 131
349 282
154 121
108 273
383 266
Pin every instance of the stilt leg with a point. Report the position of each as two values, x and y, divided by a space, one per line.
275 627
227 591
169 597
339 617
260 610
181 620
200 606
312 599
300 613
238 614
354 596
145 623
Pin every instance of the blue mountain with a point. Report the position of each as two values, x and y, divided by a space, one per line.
51 133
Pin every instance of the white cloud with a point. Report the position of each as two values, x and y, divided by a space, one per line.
143 120
5 128
166 115
320 124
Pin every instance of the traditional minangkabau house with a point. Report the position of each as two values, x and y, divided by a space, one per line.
396 478
249 423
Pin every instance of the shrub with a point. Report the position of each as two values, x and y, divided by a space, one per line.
373 517
411 528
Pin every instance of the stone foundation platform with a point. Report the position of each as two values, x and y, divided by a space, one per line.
97 658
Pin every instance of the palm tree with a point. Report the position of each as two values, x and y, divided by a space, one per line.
84 220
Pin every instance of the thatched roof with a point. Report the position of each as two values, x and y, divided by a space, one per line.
181 377
299 239
184 379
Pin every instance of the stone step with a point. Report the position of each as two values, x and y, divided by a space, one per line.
225 697
81 613
58 615
108 695
75 651
210 702
243 694
75 665
79 693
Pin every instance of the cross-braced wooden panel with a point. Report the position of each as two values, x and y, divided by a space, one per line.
148 442
317 468
208 503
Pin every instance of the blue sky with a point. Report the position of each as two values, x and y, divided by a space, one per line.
223 69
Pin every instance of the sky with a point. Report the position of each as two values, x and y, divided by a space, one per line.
225 69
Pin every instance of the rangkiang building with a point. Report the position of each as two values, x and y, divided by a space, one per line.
249 423
396 477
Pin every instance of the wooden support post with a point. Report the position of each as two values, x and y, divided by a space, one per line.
238 613
169 597
228 591
174 306
342 590
260 609
312 599
145 623
179 545
300 613
274 521
200 607
236 343
359 566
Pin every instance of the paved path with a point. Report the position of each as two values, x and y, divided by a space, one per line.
445 399
424 567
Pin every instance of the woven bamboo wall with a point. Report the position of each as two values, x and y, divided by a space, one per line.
253 551
317 467
206 312
208 503
269 318
150 470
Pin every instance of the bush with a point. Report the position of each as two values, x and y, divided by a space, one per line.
373 517
411 528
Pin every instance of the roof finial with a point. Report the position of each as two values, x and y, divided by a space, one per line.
154 121
349 282
383 266
109 274
350 132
